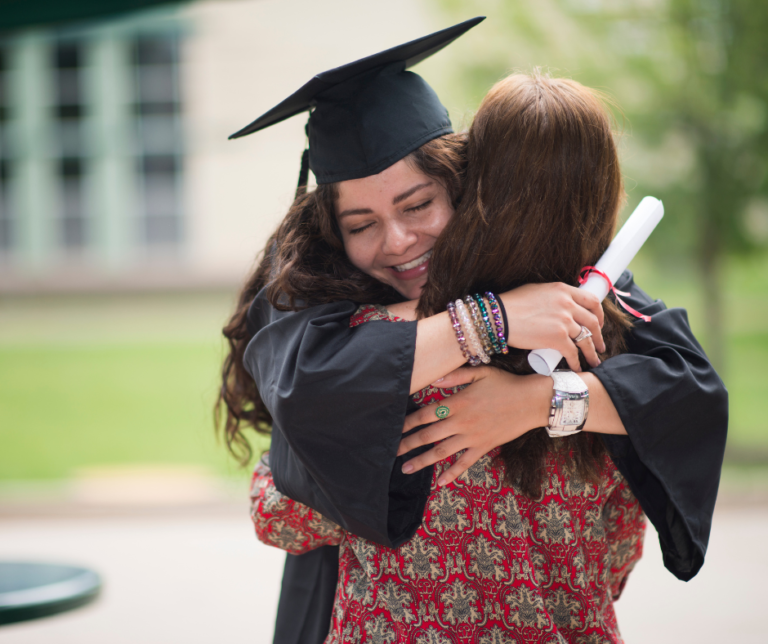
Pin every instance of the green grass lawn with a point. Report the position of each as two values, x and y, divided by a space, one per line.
93 381
746 381
69 407
120 381
746 321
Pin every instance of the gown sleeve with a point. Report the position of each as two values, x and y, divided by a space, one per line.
338 398
674 407
306 597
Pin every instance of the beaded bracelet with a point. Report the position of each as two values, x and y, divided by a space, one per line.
487 321
475 346
474 359
503 310
497 321
459 334
482 332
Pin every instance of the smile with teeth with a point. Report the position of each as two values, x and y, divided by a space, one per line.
401 268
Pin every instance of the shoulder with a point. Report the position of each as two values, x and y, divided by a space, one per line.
372 312
637 297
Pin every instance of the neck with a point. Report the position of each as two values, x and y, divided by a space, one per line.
405 310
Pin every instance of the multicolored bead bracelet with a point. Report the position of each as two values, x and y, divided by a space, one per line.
487 321
497 321
477 320
460 335
473 340
479 323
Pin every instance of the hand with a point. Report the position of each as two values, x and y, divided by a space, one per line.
549 316
497 408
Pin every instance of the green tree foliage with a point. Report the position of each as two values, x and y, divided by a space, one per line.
691 77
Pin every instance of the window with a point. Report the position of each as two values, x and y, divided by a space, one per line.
69 107
96 169
6 215
159 154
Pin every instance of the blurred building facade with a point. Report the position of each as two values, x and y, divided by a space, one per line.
115 171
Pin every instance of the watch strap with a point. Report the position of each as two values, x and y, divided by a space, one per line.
570 404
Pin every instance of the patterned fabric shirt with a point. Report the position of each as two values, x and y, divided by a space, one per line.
487 566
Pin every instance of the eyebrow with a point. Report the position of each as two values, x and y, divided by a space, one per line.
408 193
401 197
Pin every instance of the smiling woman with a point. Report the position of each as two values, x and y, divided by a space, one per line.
389 233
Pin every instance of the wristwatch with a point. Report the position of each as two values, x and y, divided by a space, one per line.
570 404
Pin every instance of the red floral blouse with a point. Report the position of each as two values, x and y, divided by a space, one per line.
487 566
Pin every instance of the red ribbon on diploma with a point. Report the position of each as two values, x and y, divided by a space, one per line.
584 274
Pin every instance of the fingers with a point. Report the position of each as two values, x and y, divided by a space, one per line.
426 436
582 317
462 464
590 302
571 353
439 452
589 313
423 416
587 347
461 376
449 448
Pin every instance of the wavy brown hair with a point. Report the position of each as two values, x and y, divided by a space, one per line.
542 195
304 264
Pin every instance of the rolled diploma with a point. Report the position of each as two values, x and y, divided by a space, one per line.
613 263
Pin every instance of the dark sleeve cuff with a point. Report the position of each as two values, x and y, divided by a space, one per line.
338 397
675 410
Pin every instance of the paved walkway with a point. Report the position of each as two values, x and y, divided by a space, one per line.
204 579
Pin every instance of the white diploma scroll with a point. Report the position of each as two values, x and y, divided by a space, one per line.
613 263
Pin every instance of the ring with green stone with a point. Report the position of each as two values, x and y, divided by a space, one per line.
442 412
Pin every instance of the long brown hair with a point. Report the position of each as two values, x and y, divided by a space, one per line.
541 200
304 264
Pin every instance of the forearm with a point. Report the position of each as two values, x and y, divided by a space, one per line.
284 523
602 418
539 315
437 351
496 408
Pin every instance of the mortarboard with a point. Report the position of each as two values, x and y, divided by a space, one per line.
369 114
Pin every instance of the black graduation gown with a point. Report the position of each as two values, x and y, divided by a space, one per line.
339 396
306 596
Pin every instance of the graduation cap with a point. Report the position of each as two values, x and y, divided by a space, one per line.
369 114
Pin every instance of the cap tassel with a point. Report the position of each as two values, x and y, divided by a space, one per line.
301 189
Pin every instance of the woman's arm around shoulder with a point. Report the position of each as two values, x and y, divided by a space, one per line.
338 397
284 523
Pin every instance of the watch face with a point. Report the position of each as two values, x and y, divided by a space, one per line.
573 412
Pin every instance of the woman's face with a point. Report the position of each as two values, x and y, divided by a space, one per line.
389 223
